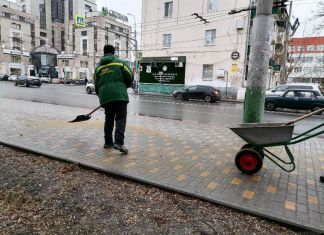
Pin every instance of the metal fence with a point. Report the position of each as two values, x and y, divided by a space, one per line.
159 88
227 92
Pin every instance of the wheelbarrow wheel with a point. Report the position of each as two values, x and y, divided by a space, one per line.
249 161
250 146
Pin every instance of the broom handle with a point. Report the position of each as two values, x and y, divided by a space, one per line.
303 117
94 110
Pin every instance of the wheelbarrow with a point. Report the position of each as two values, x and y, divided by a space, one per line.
260 136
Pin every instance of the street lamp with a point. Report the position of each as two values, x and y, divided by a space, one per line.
2 69
136 75
63 66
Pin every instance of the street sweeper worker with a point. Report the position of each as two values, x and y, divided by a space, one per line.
112 78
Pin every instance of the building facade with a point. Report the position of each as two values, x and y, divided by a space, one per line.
86 47
211 43
306 60
18 32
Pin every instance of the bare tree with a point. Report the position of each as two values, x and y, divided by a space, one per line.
319 15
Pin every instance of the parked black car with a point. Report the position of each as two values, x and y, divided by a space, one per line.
4 77
207 93
27 81
295 99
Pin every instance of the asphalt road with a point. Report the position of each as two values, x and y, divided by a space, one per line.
222 113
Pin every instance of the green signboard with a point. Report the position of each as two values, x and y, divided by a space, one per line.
163 72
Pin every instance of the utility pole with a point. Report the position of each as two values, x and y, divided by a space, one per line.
259 62
283 72
136 74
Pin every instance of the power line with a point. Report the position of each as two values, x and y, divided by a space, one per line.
182 26
184 41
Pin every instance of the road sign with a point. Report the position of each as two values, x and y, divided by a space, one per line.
235 55
80 21
139 55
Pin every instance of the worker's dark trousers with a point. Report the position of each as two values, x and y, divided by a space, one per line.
115 111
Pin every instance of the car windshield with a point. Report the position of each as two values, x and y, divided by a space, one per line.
280 88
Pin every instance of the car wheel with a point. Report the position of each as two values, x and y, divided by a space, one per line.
88 90
27 84
208 99
317 108
179 96
270 106
249 161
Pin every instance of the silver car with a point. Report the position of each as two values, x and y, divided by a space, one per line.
90 87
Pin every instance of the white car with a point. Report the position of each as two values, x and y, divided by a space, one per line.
55 80
281 89
12 77
45 79
90 87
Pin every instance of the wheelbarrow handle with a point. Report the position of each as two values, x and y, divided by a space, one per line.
303 117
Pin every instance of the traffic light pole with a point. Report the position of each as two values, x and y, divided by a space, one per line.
259 62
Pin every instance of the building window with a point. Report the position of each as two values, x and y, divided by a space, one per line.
84 46
16 35
70 7
87 9
23 8
210 36
307 69
117 48
42 42
16 59
42 14
14 17
310 48
166 40
84 64
318 69
42 34
300 48
84 33
66 63
320 47
212 5
53 37
16 26
62 41
117 36
320 60
168 6
297 70
207 72
16 46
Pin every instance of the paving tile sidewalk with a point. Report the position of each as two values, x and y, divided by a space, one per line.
189 157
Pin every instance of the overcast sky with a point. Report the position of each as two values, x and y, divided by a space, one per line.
305 11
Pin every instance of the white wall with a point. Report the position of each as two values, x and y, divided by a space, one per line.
188 37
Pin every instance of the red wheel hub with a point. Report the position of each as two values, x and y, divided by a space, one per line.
248 161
